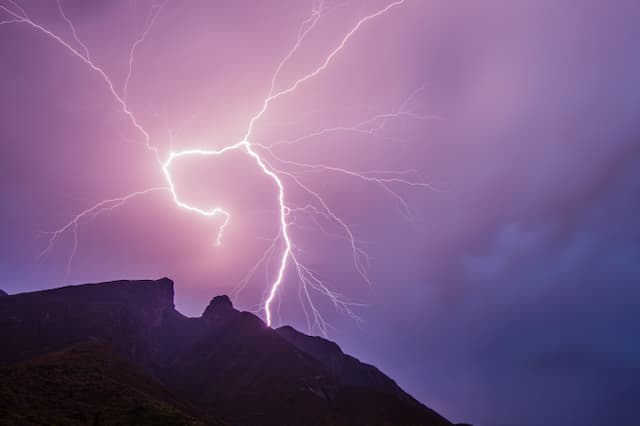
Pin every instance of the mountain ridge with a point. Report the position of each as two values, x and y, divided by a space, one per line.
227 364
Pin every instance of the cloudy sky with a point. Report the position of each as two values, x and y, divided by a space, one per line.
504 293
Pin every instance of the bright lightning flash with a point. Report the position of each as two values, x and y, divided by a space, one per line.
274 168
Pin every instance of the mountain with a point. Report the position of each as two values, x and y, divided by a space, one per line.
2 293
119 352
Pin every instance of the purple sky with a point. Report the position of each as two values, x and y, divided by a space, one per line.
511 297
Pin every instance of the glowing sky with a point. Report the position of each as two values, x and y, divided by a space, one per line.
502 252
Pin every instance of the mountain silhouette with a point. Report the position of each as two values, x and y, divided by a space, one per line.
120 353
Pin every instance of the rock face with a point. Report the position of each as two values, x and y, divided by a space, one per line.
125 315
2 293
226 364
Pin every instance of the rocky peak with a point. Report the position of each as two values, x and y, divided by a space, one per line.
219 302
220 310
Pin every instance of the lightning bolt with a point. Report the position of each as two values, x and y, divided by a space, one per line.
151 20
271 163
92 212
87 61
74 31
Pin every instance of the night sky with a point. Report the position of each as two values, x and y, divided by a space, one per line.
506 294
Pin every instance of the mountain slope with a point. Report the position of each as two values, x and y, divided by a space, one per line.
347 369
64 387
226 364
